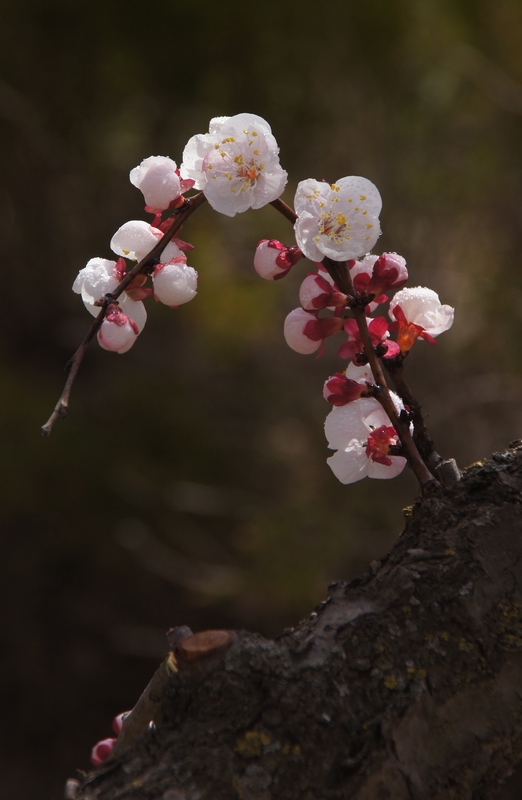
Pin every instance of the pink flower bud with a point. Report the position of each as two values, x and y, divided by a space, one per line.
389 272
175 283
118 332
117 722
318 291
274 260
304 332
340 390
101 751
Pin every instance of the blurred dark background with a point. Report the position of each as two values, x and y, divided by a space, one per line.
189 484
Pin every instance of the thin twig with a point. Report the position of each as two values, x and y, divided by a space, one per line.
285 210
421 436
179 217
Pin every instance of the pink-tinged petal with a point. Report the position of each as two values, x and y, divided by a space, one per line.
349 349
294 334
134 309
340 390
117 722
393 349
267 259
118 332
378 329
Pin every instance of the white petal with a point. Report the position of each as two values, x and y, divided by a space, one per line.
345 423
349 465
383 472
135 239
135 309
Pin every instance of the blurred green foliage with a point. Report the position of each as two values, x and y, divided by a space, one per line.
189 484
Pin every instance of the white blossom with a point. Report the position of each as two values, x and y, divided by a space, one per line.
421 307
175 283
361 431
158 180
236 164
340 220
100 277
135 239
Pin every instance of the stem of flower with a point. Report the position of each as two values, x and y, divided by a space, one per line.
395 368
285 210
179 217
341 275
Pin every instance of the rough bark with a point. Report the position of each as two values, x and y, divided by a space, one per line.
406 683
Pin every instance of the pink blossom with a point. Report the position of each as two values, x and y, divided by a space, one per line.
236 164
340 390
305 332
118 332
157 177
363 437
274 260
340 220
101 751
378 330
419 313
319 291
377 275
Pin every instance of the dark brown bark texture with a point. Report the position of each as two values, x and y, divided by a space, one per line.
405 684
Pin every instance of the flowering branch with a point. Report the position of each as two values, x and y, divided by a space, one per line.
341 274
180 216
236 167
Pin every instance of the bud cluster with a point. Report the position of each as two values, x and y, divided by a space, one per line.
340 223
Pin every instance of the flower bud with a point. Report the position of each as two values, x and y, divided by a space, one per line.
101 751
175 283
305 333
158 179
117 722
274 260
135 239
318 291
340 390
118 332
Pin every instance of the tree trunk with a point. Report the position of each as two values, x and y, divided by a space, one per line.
405 683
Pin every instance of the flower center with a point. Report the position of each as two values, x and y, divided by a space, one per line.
379 442
334 226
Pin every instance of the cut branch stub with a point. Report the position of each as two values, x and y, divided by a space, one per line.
203 644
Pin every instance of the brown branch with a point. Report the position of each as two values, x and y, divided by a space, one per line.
285 210
180 216
138 721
